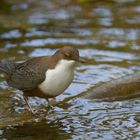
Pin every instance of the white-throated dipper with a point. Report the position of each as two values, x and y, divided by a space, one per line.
45 76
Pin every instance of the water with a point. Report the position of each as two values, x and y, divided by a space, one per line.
107 34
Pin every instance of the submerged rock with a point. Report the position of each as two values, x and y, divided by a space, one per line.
124 87
8 113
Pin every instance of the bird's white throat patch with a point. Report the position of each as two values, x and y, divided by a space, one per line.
59 78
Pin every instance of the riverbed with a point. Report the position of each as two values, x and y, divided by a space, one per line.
107 35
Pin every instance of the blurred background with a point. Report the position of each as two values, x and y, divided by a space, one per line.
107 34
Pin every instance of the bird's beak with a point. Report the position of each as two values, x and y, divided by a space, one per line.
81 60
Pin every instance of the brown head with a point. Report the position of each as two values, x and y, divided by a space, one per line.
68 53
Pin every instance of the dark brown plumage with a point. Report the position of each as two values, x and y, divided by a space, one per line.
28 75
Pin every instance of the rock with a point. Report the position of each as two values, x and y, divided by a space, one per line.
123 87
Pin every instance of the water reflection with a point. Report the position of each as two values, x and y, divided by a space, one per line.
42 131
11 34
107 35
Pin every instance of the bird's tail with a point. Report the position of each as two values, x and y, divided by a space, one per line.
6 66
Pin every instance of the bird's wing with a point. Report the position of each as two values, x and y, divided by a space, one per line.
7 66
29 74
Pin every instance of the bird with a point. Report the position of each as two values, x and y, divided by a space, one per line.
43 76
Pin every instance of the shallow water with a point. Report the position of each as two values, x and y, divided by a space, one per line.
107 35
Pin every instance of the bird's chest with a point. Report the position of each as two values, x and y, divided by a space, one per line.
56 81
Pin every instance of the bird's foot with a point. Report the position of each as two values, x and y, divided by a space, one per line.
50 107
32 111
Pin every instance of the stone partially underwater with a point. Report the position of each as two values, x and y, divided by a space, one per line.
121 88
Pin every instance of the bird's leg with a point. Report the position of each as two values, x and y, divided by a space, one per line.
49 106
30 108
48 102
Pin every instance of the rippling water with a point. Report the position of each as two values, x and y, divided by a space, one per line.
107 34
